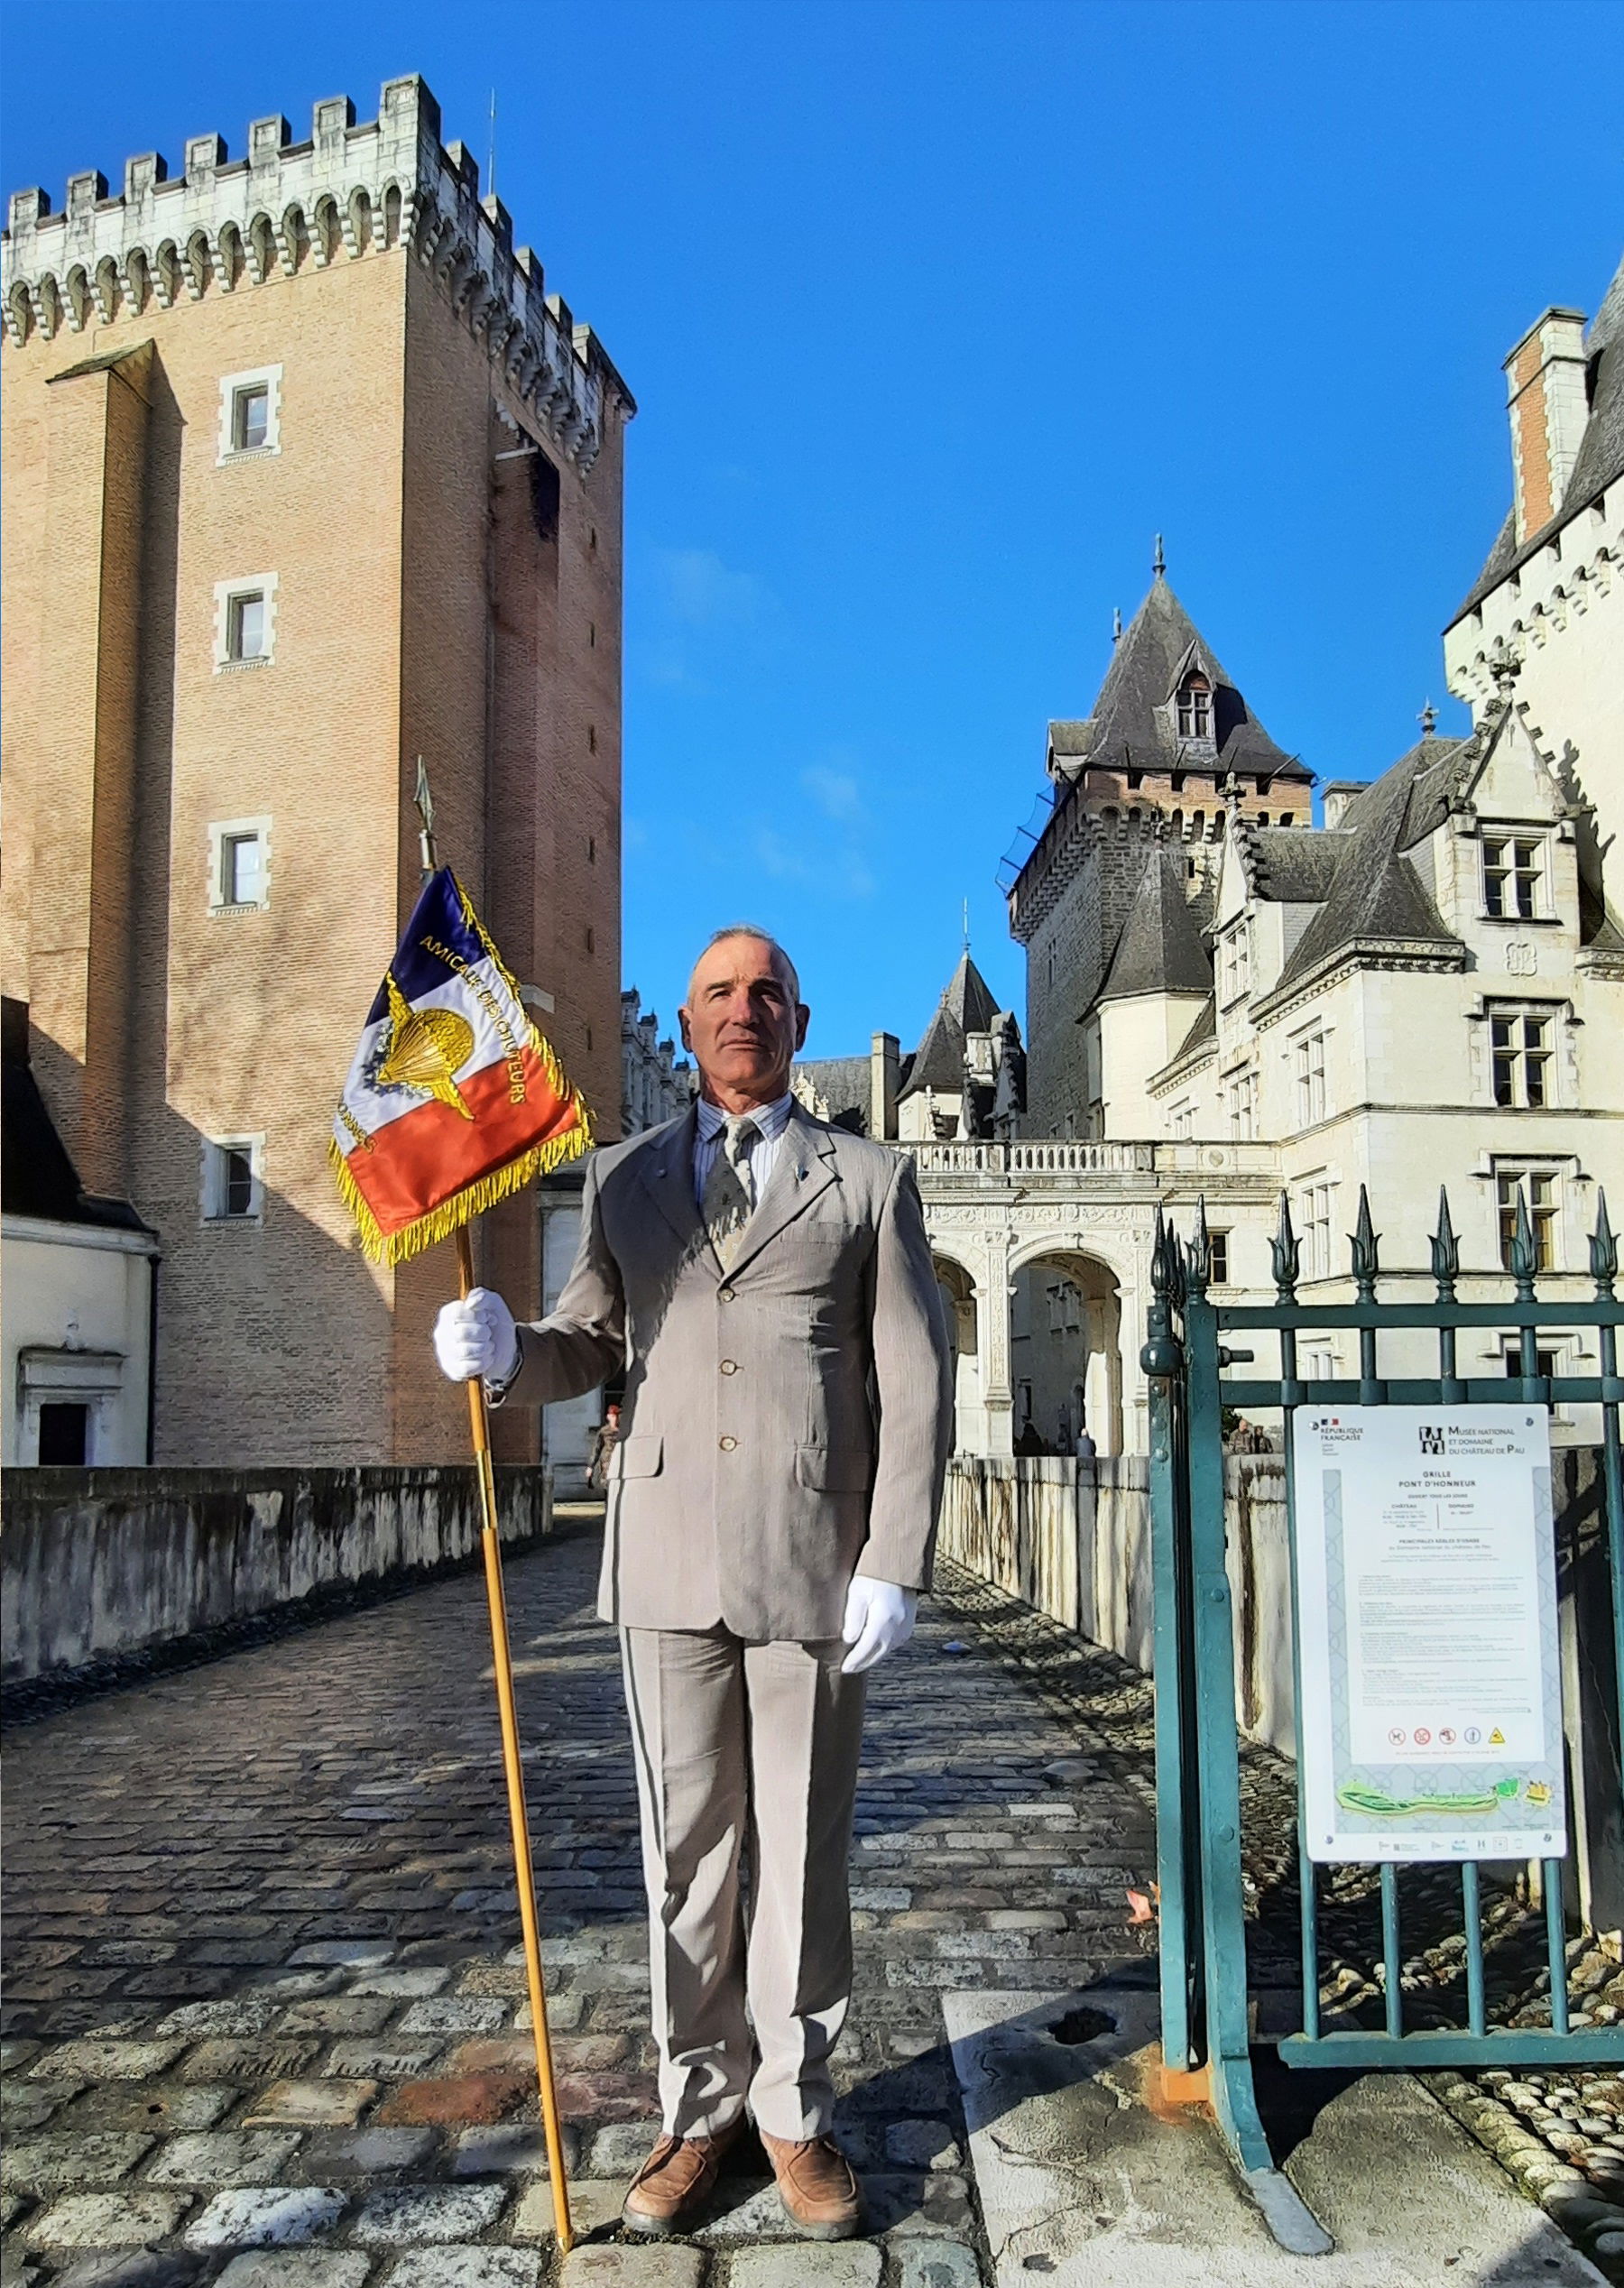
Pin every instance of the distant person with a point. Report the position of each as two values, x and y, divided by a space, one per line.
1027 1441
1084 1446
604 1439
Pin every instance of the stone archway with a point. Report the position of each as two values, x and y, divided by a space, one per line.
961 1307
1066 1361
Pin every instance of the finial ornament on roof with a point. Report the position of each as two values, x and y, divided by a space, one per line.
1428 720
1116 625
1158 564
966 925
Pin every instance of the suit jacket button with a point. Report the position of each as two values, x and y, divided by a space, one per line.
725 1294
727 1444
730 1366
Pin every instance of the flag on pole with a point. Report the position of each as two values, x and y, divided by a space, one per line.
454 1099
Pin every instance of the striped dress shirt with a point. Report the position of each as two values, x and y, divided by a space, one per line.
770 1120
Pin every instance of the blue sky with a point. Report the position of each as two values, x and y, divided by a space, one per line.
935 314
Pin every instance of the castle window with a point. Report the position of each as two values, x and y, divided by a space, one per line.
245 621
1313 1221
1195 708
239 864
233 1179
1311 1077
1243 1097
1540 1190
245 628
1218 1271
1513 876
250 418
244 869
1235 965
1520 1057
250 413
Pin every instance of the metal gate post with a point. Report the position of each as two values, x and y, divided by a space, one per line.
1224 1915
1178 1833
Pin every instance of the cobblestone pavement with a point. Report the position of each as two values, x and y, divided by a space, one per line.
265 2018
1560 2135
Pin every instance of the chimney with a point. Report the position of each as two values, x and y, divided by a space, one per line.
1545 382
1336 797
885 1058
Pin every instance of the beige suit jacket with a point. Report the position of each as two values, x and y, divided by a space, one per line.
786 1423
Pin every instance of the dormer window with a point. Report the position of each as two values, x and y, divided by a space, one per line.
1195 707
1512 876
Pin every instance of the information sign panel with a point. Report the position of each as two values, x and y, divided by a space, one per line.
1431 1723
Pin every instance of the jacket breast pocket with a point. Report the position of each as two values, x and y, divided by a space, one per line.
834 1469
641 1457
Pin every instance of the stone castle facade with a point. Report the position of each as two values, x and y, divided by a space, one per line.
1230 1002
308 475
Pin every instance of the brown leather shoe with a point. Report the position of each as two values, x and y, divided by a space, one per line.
816 2185
672 2188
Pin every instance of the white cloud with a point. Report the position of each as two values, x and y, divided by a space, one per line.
698 590
835 792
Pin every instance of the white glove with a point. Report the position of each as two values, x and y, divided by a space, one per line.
476 1336
878 1617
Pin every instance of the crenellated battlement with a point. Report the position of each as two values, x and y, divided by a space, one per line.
350 192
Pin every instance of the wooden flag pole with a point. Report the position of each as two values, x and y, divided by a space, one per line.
503 1665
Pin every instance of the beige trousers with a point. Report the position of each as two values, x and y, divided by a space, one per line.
745 1748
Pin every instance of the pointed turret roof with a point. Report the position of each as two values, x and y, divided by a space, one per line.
966 1007
1132 724
1159 950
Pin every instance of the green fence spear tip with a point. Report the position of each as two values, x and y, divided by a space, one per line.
1198 1255
1159 1281
1365 1242
1522 1250
1603 1253
1286 1253
1445 1250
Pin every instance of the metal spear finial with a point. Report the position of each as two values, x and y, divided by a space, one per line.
423 801
1159 562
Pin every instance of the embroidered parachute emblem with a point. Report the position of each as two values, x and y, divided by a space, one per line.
425 1050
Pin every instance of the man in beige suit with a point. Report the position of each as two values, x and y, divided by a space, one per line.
765 1282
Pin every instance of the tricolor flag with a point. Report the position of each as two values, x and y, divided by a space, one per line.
453 1100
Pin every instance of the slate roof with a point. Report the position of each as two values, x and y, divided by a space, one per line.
1600 459
1202 1034
1290 865
966 1007
1159 950
37 1177
1375 892
1128 726
844 1084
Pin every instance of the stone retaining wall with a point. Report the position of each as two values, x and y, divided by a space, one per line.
100 1565
1072 1539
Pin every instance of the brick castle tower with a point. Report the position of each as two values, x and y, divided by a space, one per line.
1139 794
307 475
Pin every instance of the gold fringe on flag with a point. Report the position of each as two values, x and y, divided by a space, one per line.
390 1248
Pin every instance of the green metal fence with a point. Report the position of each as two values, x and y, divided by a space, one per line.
1205 2002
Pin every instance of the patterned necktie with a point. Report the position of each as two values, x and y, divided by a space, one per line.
729 1192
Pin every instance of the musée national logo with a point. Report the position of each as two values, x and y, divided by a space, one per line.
1431 1437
